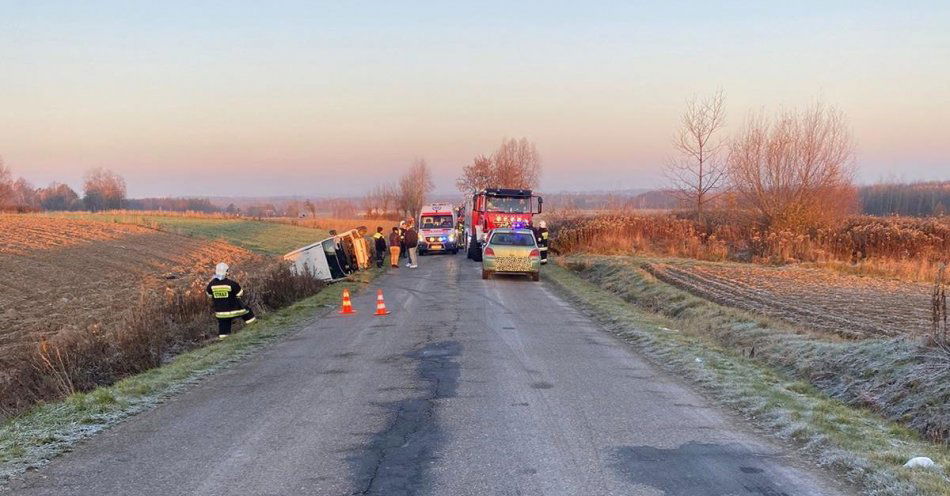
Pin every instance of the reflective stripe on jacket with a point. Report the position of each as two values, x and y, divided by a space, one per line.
380 242
225 295
231 314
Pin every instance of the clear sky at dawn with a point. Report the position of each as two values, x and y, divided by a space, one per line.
322 98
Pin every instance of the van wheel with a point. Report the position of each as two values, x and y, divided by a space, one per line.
486 274
536 276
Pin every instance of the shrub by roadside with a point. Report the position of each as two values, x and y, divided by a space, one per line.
156 327
850 441
30 439
908 248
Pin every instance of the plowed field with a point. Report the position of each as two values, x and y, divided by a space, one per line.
60 273
849 306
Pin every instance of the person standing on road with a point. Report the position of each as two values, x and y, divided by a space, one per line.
380 246
412 246
402 240
394 248
543 235
226 300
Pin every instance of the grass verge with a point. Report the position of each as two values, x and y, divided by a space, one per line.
850 442
30 440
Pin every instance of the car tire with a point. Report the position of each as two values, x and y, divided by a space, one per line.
536 276
486 274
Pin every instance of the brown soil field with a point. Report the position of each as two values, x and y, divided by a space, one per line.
845 305
22 234
60 274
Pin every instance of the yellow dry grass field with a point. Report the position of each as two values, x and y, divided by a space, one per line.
61 274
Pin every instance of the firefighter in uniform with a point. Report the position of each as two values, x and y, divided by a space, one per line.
226 299
379 245
543 236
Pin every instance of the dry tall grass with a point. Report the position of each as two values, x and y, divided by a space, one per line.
908 248
155 328
940 331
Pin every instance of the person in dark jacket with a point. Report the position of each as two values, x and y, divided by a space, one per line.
226 300
379 242
412 246
394 247
543 236
402 240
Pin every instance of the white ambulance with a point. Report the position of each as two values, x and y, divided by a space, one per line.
438 229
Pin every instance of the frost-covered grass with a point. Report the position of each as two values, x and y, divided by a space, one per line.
899 378
30 440
851 442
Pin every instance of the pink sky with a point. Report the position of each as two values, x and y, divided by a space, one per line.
253 100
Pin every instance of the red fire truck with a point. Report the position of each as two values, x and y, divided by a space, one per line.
497 207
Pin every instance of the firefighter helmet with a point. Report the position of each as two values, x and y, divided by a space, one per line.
221 269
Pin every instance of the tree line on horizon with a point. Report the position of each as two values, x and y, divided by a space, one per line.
700 179
102 190
908 199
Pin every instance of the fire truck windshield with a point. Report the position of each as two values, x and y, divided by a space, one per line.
508 205
436 221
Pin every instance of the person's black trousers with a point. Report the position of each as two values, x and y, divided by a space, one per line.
379 257
224 324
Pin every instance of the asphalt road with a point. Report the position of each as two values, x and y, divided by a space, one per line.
470 387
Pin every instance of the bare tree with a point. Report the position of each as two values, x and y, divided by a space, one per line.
390 198
6 185
698 173
370 203
478 175
24 195
342 208
292 209
380 201
103 189
414 186
310 207
795 169
58 196
517 164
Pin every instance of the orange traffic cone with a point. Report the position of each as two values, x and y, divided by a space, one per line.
380 304
347 305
